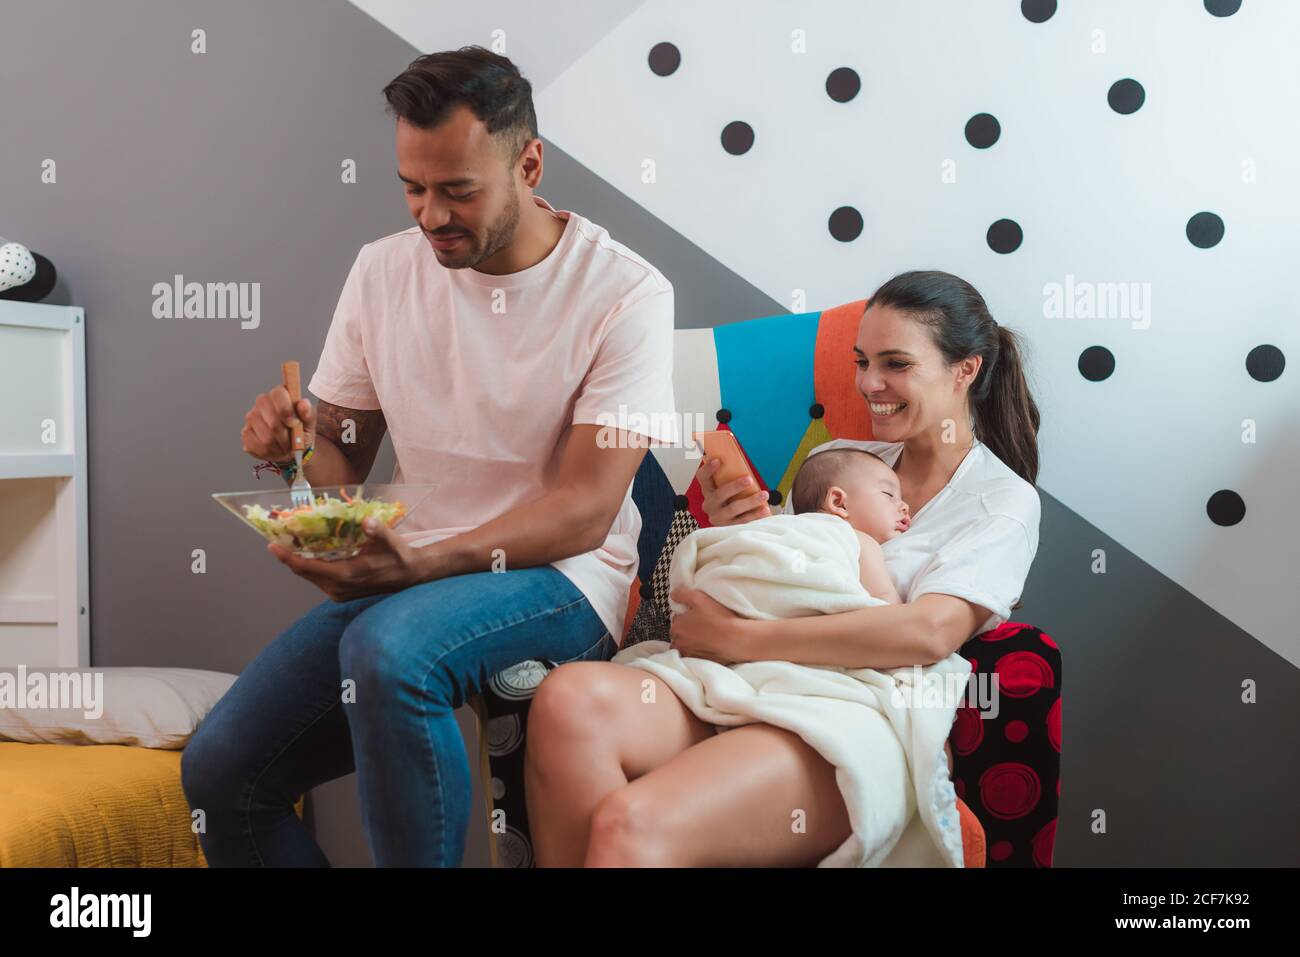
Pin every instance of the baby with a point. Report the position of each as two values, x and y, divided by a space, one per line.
823 559
862 489
855 486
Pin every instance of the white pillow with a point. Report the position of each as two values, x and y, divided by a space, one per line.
144 707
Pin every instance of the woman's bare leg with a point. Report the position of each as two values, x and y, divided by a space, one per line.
753 796
594 726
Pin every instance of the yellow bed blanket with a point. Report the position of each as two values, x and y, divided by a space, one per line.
103 805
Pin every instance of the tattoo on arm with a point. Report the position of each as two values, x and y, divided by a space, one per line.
359 443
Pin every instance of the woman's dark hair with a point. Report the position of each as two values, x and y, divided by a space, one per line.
486 82
1004 412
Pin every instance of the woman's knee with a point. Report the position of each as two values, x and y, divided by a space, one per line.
575 699
628 830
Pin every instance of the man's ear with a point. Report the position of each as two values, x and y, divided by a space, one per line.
530 163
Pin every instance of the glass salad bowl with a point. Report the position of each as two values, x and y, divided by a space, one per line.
329 529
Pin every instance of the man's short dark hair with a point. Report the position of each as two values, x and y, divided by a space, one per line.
486 82
818 473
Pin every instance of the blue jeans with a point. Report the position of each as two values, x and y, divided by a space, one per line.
371 685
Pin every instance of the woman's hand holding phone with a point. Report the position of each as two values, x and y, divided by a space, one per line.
732 502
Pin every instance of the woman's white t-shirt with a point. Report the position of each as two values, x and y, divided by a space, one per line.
975 539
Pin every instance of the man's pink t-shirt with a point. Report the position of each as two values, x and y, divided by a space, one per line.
478 376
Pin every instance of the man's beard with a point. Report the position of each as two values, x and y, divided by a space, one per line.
499 235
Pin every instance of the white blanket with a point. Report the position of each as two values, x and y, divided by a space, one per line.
782 566
883 731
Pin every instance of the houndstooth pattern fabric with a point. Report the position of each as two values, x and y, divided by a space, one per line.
683 524
653 616
648 624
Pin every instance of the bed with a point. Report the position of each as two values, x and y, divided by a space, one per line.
101 787
101 805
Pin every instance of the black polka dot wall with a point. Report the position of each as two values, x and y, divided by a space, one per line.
1222 8
1038 11
1096 363
737 137
1005 236
1205 230
1265 363
1225 507
843 84
1126 96
845 224
665 58
983 130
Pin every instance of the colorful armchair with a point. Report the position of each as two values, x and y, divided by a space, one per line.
783 385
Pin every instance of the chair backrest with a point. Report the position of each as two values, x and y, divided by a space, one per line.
783 384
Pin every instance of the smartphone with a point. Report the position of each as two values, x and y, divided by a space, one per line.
721 444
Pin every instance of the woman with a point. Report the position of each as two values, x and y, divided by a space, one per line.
621 773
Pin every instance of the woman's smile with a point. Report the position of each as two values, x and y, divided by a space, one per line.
883 410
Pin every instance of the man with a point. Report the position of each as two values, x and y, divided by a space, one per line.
497 340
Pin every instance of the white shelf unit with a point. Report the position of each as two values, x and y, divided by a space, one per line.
44 527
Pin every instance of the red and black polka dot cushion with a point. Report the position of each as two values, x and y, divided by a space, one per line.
1007 756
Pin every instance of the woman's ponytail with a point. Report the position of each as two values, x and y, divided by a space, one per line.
1006 416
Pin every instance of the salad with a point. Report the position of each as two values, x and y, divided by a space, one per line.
328 528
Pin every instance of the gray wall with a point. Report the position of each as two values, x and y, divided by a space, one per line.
225 167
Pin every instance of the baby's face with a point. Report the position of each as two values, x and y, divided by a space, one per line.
868 496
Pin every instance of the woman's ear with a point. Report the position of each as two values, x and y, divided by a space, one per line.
967 371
